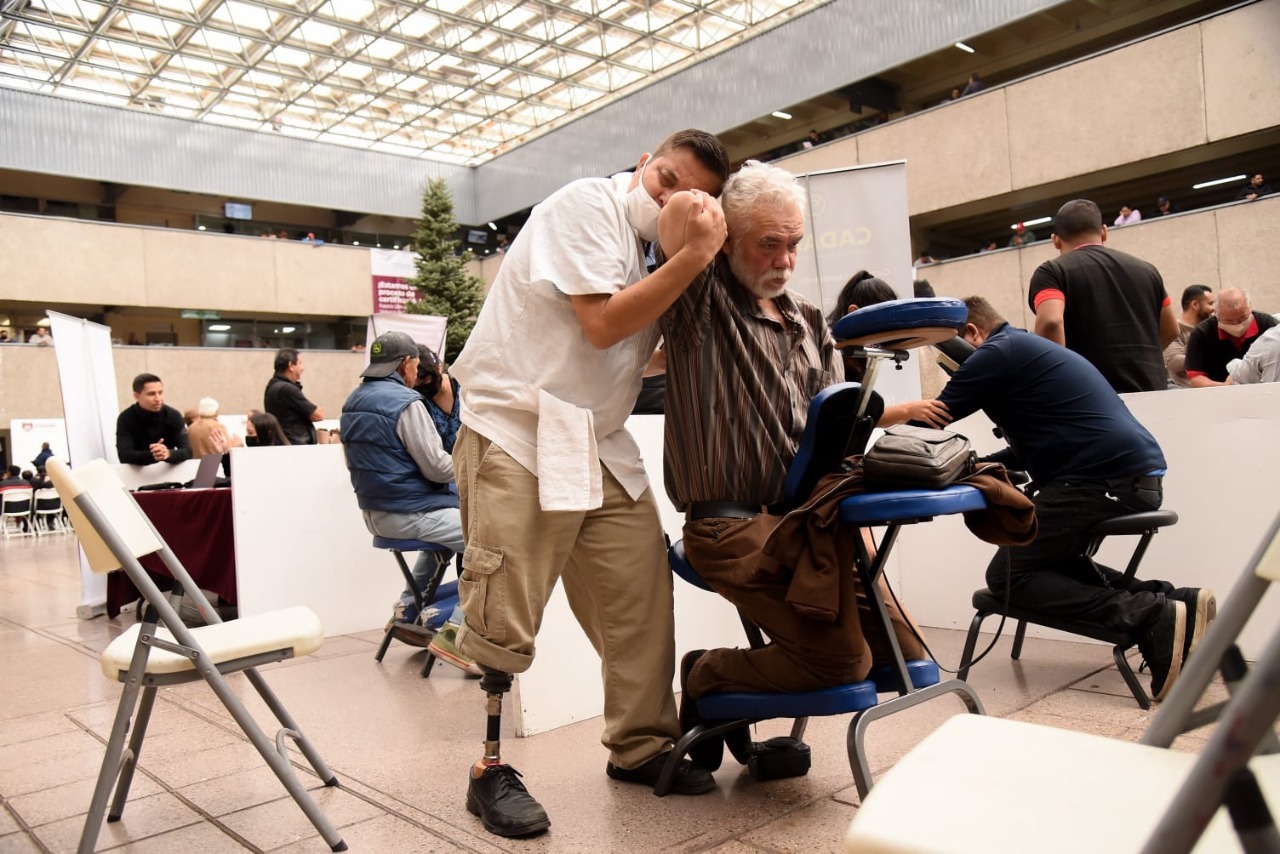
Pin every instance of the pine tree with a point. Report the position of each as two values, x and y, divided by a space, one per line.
447 289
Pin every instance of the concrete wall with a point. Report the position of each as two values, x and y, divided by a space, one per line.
77 262
1236 245
1199 84
235 378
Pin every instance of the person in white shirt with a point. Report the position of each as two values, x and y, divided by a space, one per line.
1261 364
551 483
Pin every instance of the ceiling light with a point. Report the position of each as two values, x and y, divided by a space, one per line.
199 228
1030 222
964 47
397 246
219 327
1219 181
493 226
289 328
778 114
355 243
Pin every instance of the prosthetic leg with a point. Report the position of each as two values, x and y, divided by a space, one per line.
494 790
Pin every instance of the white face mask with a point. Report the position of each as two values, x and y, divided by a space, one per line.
642 210
1235 330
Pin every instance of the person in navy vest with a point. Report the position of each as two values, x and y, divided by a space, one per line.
401 473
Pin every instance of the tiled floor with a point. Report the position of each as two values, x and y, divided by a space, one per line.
401 745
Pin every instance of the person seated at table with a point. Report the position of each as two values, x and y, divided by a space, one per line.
733 394
149 431
13 477
400 471
263 429
1090 460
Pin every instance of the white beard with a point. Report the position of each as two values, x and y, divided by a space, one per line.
768 285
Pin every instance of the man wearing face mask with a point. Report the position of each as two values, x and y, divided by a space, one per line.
401 473
1226 336
551 483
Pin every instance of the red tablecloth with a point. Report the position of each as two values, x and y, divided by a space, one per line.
196 523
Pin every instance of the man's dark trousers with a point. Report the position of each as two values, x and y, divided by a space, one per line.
1053 577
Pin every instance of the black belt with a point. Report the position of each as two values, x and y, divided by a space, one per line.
1120 484
730 510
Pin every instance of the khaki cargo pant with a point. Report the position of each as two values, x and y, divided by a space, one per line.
613 564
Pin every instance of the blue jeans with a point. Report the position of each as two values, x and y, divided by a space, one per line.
442 526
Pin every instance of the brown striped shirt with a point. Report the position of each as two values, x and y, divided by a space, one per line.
738 389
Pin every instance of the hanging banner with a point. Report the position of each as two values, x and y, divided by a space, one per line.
857 220
392 269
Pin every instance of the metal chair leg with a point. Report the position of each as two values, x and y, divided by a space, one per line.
970 644
1130 678
130 759
1018 637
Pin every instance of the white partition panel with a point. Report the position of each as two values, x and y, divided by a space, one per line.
300 539
563 685
1221 448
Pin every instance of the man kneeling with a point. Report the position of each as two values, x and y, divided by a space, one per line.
744 358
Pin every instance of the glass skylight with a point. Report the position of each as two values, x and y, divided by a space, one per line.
455 80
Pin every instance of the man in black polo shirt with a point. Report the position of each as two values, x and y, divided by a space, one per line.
1089 460
284 399
1106 305
1226 336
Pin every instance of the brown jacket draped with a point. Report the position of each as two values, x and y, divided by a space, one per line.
815 545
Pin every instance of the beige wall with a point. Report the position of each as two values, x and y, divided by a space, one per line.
1201 83
68 261
1231 246
236 378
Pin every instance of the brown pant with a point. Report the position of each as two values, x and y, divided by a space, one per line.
805 654
613 564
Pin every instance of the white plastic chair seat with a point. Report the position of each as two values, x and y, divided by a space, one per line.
297 628
991 785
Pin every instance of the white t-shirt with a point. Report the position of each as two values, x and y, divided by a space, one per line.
528 338
1262 363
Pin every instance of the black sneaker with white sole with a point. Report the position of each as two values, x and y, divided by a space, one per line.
1202 608
1163 646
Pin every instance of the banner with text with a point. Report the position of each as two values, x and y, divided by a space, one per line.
392 269
857 220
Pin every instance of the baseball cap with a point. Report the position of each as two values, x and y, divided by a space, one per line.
387 351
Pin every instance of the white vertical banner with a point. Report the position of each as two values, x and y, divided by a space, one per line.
428 329
87 374
857 220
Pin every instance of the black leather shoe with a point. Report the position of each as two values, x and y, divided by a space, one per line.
708 753
503 803
689 778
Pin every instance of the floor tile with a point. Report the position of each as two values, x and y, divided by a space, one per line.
142 818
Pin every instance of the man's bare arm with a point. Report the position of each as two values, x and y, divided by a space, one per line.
1049 321
1168 325
609 318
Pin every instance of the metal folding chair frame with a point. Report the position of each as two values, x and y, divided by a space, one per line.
121 760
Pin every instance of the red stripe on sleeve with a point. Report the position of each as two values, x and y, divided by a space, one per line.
1048 294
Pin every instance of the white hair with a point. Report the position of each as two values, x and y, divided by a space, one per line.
207 407
755 184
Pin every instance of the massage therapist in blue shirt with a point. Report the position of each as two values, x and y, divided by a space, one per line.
1089 460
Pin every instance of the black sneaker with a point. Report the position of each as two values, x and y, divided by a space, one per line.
689 778
503 803
1163 644
1202 608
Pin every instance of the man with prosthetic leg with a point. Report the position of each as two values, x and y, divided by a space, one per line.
551 485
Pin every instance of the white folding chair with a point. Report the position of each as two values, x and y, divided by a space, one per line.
48 512
161 650
990 785
15 511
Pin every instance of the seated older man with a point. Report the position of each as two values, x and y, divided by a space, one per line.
401 473
744 358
